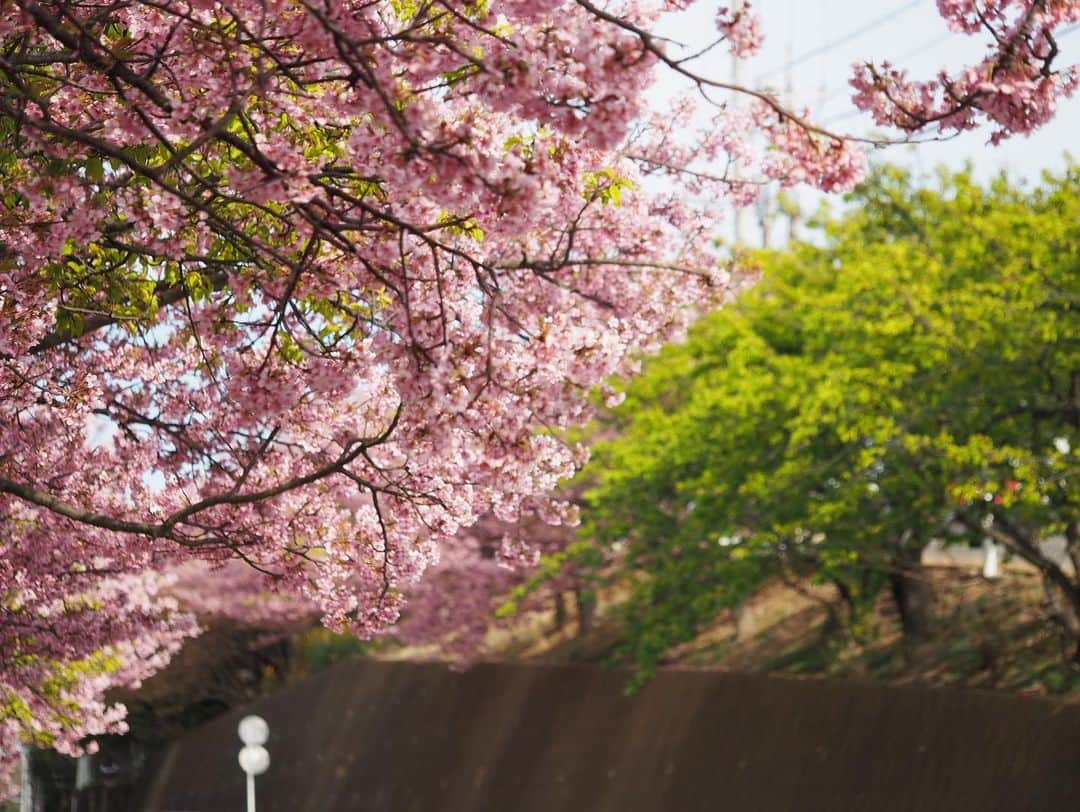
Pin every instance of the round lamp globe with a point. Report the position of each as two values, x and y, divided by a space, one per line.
253 730
254 759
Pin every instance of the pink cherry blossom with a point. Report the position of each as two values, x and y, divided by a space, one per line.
1014 89
741 28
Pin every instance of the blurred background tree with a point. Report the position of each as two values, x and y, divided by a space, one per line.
913 375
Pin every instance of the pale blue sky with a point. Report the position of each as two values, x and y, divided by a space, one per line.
913 36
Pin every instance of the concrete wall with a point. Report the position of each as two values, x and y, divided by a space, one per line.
395 737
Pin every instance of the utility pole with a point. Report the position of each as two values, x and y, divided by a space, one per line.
738 170
789 91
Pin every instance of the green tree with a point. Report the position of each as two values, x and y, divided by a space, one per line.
914 376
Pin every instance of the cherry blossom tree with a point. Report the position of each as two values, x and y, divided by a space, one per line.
313 285
456 604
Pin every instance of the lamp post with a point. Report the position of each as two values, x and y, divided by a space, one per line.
253 758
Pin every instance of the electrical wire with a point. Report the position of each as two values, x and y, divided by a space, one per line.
846 38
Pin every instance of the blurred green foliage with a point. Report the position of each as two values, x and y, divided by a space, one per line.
917 370
321 648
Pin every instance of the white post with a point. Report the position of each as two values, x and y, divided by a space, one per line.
250 793
26 794
991 563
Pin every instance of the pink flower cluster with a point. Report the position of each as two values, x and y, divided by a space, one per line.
67 638
741 28
454 608
800 155
1014 89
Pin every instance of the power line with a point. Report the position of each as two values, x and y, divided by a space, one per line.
841 92
840 117
846 38
936 41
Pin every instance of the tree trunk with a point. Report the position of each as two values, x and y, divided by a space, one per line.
914 598
847 599
586 610
1062 593
1063 608
1072 547
560 611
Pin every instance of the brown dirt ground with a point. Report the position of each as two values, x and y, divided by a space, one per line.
988 634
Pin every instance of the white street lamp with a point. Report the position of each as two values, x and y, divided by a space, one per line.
254 758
